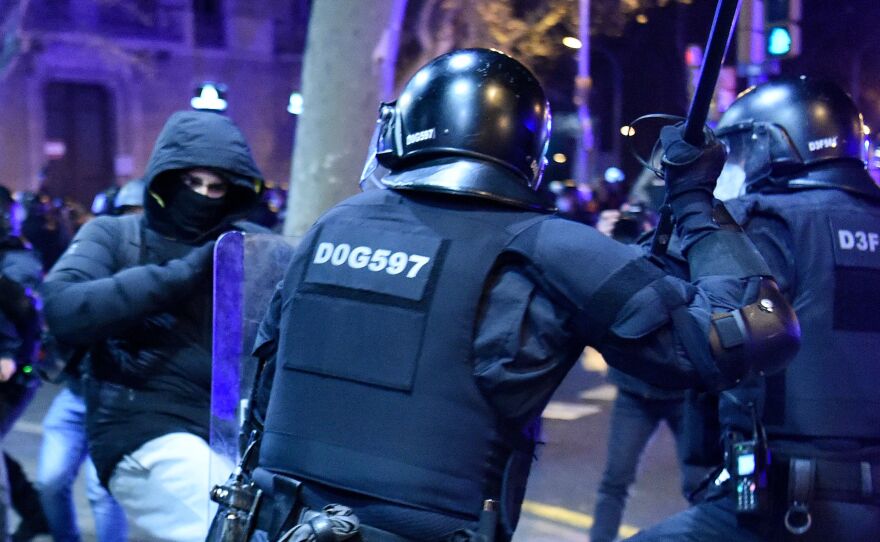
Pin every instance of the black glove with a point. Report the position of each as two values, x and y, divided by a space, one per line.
691 174
200 258
186 271
688 168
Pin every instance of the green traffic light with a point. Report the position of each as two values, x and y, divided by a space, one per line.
779 41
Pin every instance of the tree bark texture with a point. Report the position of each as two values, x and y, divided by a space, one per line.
343 84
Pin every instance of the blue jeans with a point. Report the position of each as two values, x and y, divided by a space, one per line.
633 420
12 405
62 453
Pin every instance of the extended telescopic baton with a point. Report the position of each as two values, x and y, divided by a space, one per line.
719 38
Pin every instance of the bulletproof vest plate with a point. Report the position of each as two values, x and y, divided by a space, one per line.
856 242
373 260
377 368
829 389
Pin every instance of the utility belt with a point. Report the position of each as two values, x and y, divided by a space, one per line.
764 480
273 503
815 479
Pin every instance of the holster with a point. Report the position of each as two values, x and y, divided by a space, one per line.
239 500
281 510
235 520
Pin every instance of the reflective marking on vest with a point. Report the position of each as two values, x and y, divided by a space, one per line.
373 259
856 242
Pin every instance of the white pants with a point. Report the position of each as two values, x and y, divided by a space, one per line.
164 487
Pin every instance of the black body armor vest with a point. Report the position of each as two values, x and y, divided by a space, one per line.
830 389
374 391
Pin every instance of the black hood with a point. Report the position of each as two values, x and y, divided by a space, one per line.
193 139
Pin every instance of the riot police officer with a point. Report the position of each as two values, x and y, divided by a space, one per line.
422 326
802 446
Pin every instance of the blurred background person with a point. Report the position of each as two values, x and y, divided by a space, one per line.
639 408
44 227
20 327
64 449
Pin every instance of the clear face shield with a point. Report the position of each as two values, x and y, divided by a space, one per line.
541 163
748 158
374 172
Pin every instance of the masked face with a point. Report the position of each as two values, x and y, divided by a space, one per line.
199 203
205 183
731 183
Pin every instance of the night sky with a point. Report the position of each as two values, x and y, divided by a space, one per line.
840 41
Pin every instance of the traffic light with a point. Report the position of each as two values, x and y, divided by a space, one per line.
782 31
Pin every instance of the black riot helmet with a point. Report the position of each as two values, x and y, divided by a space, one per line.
474 122
795 133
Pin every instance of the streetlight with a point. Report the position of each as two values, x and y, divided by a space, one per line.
295 104
210 97
572 42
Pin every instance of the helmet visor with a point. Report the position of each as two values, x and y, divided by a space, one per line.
373 172
748 159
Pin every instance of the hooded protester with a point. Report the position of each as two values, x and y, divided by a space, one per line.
135 291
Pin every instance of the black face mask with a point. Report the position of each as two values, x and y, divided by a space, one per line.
194 214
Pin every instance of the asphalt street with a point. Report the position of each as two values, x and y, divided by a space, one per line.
561 494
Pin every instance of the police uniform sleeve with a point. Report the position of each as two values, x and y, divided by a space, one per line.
523 344
86 299
575 287
265 351
771 236
572 287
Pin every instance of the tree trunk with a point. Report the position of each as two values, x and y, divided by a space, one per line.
351 47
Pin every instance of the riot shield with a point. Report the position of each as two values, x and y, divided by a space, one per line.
246 269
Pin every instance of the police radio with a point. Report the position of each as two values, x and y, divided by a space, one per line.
748 464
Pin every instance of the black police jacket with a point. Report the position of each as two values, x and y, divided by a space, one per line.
823 246
416 336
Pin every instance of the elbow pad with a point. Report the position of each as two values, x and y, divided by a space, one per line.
759 338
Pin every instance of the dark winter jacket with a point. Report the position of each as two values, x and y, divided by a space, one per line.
147 319
20 274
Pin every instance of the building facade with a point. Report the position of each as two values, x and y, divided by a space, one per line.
86 85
